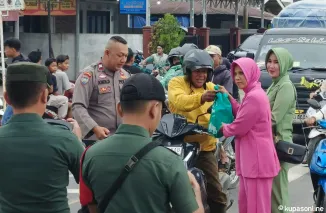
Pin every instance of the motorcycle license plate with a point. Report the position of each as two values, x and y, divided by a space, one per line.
300 116
177 150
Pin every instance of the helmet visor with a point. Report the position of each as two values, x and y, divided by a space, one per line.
201 67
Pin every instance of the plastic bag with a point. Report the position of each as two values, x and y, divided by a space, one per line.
221 113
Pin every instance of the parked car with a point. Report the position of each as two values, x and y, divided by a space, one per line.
250 45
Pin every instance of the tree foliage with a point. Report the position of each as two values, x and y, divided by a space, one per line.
167 33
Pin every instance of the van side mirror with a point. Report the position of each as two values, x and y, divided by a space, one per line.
250 55
314 104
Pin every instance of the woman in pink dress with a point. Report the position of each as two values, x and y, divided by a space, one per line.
256 158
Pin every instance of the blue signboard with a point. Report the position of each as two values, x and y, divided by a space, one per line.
132 6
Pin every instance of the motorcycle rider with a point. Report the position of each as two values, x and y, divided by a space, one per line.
175 58
159 60
97 91
192 95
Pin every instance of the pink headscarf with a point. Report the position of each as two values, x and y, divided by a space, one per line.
250 70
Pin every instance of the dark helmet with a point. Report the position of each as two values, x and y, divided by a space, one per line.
175 52
187 47
197 59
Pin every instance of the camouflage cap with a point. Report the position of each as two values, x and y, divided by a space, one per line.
26 72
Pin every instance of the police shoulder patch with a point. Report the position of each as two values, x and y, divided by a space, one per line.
84 80
88 74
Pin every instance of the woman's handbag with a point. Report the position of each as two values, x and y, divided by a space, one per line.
290 152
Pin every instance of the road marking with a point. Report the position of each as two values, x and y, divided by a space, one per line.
296 172
73 191
73 202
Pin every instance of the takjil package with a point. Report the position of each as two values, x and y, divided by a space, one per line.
221 113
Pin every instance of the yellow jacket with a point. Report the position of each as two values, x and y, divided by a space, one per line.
185 100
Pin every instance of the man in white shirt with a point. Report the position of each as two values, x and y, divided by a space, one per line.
61 75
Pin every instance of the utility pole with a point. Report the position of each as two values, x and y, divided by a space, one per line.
49 7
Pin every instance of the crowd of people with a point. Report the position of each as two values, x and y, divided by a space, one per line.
57 78
120 110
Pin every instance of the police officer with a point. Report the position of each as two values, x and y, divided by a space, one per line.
35 156
97 91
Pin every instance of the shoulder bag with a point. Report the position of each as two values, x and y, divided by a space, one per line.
290 152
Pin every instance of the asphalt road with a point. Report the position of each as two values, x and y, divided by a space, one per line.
300 190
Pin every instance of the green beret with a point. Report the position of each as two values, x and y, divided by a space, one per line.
26 72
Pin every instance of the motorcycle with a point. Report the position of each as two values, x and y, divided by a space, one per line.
318 161
316 134
228 176
139 57
171 131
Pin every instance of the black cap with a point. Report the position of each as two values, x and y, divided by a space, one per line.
142 86
26 72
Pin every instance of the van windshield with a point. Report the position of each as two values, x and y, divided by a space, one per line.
307 50
251 42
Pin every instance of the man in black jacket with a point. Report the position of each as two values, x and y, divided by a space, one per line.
221 74
12 50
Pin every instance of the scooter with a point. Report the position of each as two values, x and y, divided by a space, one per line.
316 134
318 162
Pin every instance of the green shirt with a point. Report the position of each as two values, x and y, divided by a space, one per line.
174 71
35 159
159 61
158 179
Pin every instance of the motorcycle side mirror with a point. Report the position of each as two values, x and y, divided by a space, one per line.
250 55
314 104
200 116
209 111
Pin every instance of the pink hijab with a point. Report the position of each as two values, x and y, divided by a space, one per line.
250 70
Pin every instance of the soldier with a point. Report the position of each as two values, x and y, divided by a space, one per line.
97 92
35 155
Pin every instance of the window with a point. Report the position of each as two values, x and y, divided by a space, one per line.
98 22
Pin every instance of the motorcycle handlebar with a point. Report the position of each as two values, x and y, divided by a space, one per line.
202 131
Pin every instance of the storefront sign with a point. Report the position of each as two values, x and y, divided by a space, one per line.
10 16
132 6
58 8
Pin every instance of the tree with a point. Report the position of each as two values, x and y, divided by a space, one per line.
166 32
